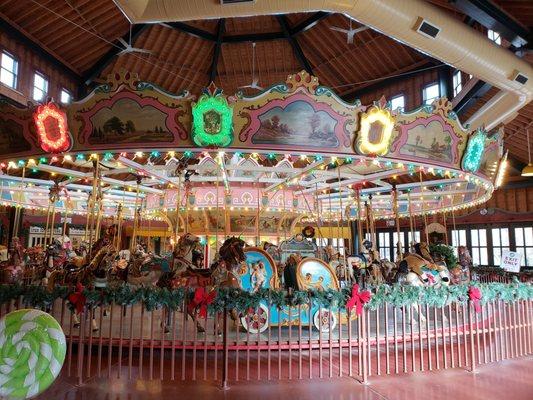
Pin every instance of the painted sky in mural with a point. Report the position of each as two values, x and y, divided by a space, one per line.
296 124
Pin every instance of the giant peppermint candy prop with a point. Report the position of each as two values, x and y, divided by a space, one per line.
32 352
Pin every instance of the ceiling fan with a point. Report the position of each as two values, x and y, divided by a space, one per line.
255 79
350 33
128 48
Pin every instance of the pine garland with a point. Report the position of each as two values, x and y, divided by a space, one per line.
240 300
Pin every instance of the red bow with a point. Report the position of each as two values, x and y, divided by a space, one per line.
358 299
201 299
474 294
78 299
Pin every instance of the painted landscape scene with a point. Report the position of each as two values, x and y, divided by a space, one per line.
429 142
296 124
128 122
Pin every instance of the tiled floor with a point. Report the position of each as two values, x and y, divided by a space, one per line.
508 380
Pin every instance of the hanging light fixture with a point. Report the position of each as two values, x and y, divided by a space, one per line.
528 169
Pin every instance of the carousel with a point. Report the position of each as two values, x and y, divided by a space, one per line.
281 190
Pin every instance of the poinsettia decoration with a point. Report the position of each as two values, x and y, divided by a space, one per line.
52 128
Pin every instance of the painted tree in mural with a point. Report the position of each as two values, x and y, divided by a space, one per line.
314 122
115 125
130 126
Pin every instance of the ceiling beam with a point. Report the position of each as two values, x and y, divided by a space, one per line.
15 33
308 23
418 69
99 66
216 50
282 19
191 30
303 26
493 17
471 98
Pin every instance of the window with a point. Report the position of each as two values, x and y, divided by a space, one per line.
338 244
40 87
500 243
480 255
65 97
8 70
494 36
524 244
411 239
384 245
431 93
457 83
398 102
459 238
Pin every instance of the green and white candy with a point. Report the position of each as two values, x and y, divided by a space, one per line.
32 352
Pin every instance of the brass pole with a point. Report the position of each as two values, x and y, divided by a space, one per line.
359 218
397 217
423 208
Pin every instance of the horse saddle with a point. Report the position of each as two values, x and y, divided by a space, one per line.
200 272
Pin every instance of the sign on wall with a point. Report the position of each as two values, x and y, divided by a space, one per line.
511 261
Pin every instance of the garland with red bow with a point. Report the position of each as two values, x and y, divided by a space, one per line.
200 301
78 299
474 295
358 299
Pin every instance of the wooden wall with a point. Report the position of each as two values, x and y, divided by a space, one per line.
28 63
411 88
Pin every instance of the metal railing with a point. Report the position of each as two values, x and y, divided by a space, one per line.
133 342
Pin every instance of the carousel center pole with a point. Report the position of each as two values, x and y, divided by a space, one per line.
53 199
47 222
94 195
340 223
423 208
18 210
397 217
258 213
135 216
359 219
178 206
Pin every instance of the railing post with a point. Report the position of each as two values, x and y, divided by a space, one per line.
225 350
363 347
471 329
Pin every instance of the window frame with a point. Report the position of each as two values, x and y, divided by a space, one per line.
457 87
496 37
490 241
47 88
397 96
425 87
63 90
524 247
15 73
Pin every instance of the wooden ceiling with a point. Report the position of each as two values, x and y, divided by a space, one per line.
83 35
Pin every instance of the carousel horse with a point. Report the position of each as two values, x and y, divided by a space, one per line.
224 272
13 268
368 268
422 269
461 272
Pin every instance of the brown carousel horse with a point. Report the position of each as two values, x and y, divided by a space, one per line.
422 269
222 274
13 268
69 271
